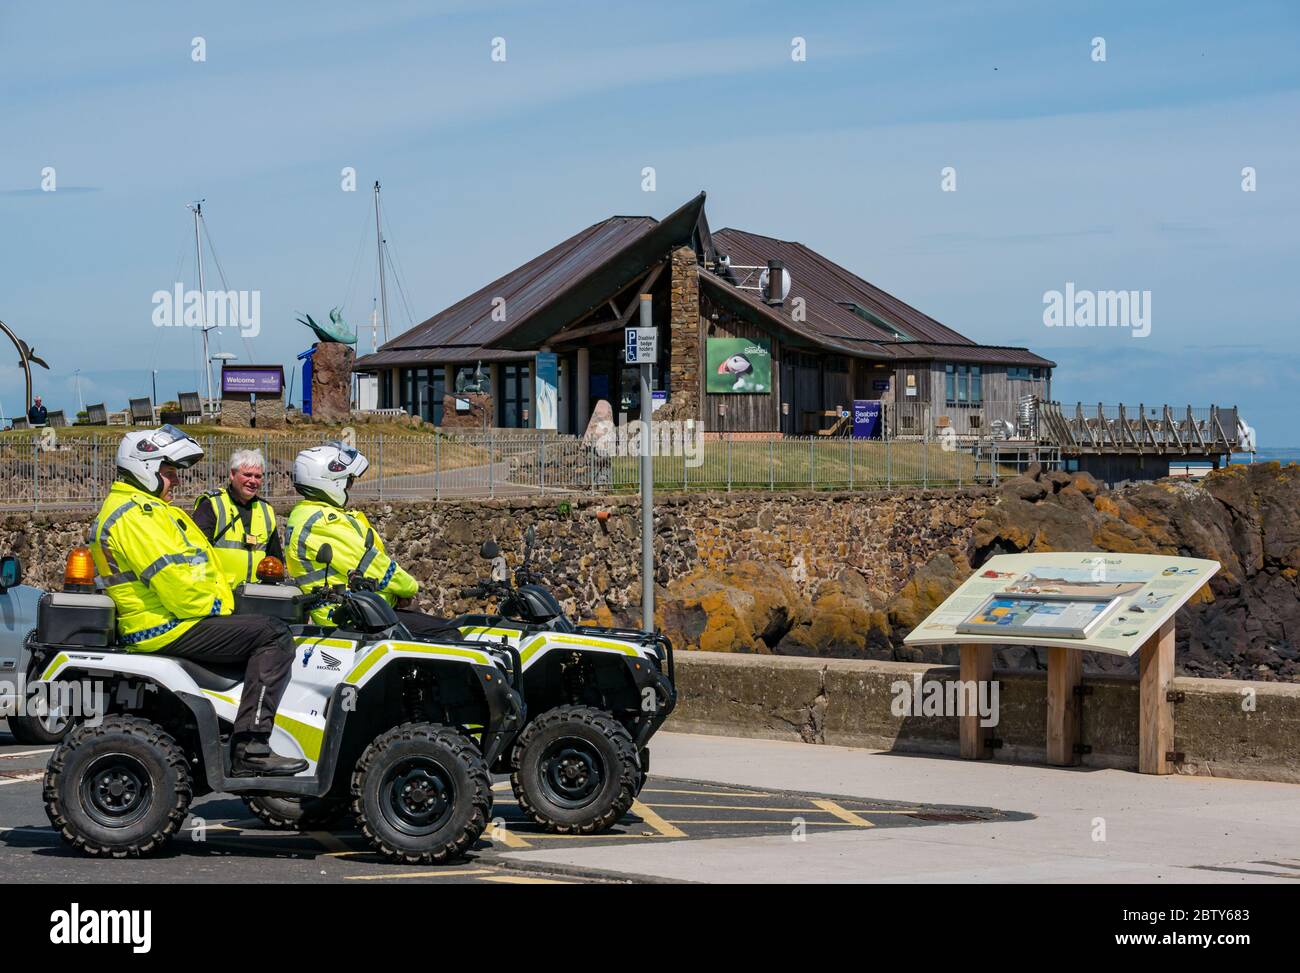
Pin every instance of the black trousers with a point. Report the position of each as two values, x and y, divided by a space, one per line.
427 626
263 643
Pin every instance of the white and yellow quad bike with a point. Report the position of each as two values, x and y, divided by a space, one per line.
594 696
402 728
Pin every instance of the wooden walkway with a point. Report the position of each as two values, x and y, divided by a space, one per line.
1141 429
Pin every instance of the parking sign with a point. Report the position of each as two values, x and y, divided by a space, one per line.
641 345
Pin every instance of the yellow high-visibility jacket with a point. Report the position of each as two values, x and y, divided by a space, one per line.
239 553
158 568
356 545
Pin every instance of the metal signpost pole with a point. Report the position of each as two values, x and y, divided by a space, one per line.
647 482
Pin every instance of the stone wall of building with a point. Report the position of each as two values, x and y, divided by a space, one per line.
684 330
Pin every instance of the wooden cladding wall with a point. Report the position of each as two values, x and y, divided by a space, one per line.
758 412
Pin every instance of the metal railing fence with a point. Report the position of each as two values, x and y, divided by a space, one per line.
61 471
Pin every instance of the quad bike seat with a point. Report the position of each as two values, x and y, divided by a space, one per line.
216 676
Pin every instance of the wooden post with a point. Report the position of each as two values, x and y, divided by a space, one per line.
1156 717
1064 673
976 667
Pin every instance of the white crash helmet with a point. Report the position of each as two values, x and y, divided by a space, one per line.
326 472
141 455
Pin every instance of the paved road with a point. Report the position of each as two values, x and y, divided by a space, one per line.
754 811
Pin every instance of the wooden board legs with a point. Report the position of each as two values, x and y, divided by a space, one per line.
976 667
1156 715
1064 673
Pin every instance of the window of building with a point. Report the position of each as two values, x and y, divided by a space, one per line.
894 331
421 391
963 384
515 377
1023 372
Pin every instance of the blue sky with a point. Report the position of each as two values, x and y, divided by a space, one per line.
1124 174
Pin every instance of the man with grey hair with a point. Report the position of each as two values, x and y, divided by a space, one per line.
239 524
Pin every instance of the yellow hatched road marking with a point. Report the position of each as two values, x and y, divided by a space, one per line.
665 790
748 807
655 821
843 813
624 835
507 838
327 840
427 873
820 824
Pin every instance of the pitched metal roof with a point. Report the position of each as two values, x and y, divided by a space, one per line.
844 312
541 296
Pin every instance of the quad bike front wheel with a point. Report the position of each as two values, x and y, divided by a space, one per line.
118 789
422 794
298 813
575 770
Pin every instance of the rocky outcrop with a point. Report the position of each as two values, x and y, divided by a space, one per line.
1247 624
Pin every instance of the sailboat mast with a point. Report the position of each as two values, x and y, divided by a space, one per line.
197 210
379 245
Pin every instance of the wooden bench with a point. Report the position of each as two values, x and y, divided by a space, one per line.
141 412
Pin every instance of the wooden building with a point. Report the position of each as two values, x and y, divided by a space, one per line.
758 336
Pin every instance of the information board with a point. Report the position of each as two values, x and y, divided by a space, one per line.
1150 588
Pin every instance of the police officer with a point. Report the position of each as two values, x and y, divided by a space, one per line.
172 598
324 475
239 524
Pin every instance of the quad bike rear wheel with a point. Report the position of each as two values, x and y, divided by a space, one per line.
422 794
575 770
298 813
37 729
119 789
42 728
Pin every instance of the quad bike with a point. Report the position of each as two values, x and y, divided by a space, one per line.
402 728
594 697
18 604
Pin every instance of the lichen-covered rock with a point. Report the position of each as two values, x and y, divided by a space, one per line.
748 606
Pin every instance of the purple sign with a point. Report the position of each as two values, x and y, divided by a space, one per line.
866 419
252 379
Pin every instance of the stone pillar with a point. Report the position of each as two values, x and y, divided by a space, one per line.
582 415
331 381
684 332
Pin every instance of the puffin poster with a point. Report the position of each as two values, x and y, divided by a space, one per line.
738 365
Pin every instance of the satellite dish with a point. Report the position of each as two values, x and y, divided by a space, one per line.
785 283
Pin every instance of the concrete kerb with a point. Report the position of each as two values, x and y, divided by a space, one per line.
1223 728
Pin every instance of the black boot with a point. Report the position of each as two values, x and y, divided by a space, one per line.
254 757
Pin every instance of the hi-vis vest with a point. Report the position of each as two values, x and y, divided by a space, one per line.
238 552
158 568
357 547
